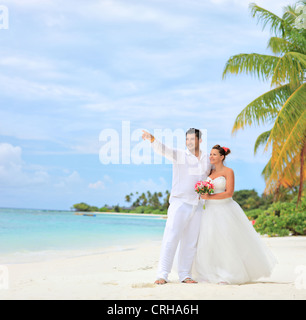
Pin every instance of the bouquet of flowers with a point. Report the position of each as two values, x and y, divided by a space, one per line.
204 187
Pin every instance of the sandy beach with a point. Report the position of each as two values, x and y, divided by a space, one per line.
129 275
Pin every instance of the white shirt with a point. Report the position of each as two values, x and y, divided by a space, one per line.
187 171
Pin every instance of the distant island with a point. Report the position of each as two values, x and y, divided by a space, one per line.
146 203
158 203
272 215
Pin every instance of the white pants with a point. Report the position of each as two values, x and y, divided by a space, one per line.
183 227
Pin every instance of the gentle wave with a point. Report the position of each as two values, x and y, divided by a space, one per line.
37 235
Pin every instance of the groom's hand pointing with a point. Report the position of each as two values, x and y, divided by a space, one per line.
147 136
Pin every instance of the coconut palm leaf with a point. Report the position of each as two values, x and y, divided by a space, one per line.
281 46
262 140
290 68
283 27
264 109
285 105
266 173
290 14
288 133
289 178
291 113
259 65
277 24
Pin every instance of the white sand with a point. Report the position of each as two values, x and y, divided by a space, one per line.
130 274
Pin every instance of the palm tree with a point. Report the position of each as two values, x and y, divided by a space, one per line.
128 198
143 199
165 205
284 106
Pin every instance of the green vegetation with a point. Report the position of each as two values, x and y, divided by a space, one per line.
146 203
282 210
281 218
157 203
250 200
283 108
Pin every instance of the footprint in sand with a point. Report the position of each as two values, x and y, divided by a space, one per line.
143 285
111 283
145 268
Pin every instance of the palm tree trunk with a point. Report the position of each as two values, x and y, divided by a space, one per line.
276 193
303 153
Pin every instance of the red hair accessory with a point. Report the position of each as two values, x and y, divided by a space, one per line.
225 149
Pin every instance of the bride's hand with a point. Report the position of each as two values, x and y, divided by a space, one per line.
205 196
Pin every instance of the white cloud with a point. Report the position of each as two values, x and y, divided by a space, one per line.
55 12
27 3
89 146
107 179
19 62
276 6
14 171
35 90
99 185
10 165
145 185
10 155
132 11
69 182
87 65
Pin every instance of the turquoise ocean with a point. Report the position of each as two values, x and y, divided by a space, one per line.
38 235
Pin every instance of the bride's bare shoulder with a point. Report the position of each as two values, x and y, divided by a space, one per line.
229 171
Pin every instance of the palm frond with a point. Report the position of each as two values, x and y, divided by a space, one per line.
266 173
277 24
290 68
293 34
289 178
290 14
293 111
298 40
255 64
280 46
264 109
285 105
288 133
261 140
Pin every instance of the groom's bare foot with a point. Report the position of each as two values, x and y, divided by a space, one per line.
160 281
189 280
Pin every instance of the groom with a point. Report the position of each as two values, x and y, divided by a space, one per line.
185 210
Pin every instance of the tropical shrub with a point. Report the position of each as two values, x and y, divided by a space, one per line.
282 219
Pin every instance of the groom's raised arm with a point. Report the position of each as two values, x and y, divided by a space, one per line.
160 148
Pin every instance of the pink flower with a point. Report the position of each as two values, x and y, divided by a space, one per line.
198 184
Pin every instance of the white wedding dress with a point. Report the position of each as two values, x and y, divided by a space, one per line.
229 249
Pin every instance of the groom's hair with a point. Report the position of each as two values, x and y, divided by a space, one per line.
197 132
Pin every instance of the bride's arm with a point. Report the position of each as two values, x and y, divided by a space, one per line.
229 191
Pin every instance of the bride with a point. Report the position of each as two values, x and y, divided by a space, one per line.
229 249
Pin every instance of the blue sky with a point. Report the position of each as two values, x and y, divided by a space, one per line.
71 70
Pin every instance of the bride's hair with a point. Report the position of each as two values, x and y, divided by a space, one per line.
222 150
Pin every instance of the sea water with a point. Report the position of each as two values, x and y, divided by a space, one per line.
35 235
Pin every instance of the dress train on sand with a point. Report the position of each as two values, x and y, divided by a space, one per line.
229 249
